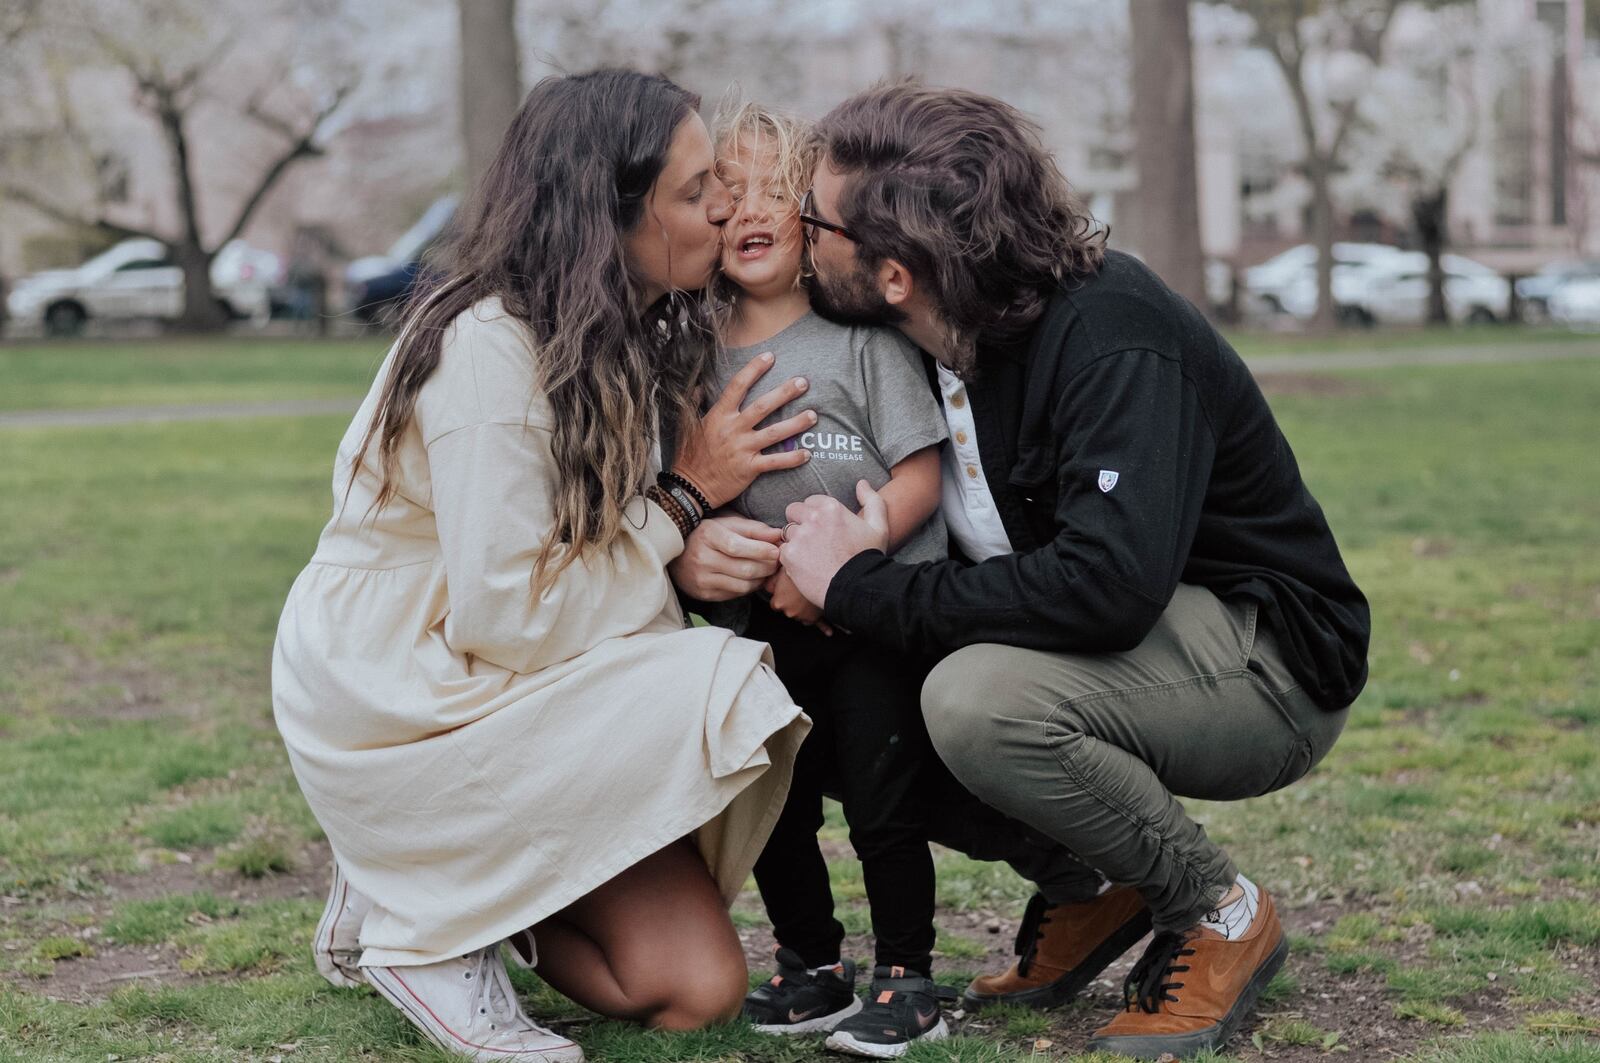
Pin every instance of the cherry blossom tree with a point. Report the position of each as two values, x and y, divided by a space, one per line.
246 86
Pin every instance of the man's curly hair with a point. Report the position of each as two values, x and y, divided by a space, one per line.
958 187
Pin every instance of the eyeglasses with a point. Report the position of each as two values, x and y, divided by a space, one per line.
811 223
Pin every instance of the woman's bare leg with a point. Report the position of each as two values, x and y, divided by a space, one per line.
654 945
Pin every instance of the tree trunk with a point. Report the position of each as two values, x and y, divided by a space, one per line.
203 309
491 82
1428 212
1326 315
1167 223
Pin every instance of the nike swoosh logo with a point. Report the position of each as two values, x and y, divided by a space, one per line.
801 1016
929 1019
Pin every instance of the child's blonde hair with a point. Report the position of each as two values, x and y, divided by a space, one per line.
740 132
750 127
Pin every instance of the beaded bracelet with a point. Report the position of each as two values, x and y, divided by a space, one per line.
680 496
682 517
668 477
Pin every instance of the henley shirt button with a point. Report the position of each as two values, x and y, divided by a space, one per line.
961 437
958 401
972 471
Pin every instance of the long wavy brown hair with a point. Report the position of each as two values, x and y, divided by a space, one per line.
958 187
544 231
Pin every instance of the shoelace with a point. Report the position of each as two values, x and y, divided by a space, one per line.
1029 933
1146 987
495 996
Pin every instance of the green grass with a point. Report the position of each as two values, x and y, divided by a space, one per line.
178 371
142 568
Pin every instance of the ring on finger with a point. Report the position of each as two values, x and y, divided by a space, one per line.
785 535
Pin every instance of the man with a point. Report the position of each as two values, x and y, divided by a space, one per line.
1150 605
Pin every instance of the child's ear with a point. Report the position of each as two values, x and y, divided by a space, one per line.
895 282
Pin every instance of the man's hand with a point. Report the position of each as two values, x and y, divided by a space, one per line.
724 558
822 535
787 599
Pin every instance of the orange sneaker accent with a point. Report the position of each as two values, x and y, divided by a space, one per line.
885 996
1192 991
1062 948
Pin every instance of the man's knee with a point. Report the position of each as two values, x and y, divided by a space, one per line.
958 698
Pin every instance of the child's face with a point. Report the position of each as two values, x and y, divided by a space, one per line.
761 242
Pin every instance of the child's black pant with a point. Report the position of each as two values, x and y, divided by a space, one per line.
869 747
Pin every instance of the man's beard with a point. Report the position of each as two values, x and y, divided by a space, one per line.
853 300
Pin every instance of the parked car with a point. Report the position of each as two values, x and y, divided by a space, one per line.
137 280
1576 302
1294 270
374 286
1393 290
1536 291
1398 293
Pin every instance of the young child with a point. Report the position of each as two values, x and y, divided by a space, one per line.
878 421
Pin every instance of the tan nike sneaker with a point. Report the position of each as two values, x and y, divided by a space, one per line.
1062 948
1192 990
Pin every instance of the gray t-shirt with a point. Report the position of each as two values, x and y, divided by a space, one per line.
874 408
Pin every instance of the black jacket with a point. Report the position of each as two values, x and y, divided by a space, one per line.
1122 376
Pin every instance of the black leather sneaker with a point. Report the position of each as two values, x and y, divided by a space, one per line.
795 1001
902 1008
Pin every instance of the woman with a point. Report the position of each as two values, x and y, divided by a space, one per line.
484 679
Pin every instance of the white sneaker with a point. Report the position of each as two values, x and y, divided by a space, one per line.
468 1006
337 945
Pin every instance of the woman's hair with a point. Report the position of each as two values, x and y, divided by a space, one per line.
742 132
545 231
958 187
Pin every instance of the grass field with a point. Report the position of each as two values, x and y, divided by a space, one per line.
42 376
159 874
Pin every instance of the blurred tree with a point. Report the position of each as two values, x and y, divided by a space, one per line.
180 60
1331 46
491 81
681 40
1421 121
1166 224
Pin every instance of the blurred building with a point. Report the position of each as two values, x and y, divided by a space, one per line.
1527 190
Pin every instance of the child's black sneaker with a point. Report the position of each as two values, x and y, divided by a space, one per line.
902 1007
796 1001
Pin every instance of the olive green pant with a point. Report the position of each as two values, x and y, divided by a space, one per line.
1093 750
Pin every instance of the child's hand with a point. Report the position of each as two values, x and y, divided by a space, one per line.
787 599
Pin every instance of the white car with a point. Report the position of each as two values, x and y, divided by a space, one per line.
135 280
1397 292
1295 270
1576 303
1537 290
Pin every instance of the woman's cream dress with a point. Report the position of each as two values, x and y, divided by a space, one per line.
480 757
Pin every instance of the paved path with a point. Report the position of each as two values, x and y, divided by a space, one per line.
1543 351
1262 365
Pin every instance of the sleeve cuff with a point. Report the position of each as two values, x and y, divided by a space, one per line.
658 529
844 601
903 448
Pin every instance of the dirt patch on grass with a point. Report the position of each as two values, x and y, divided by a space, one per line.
308 878
113 966
1358 1007
1314 385
109 969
